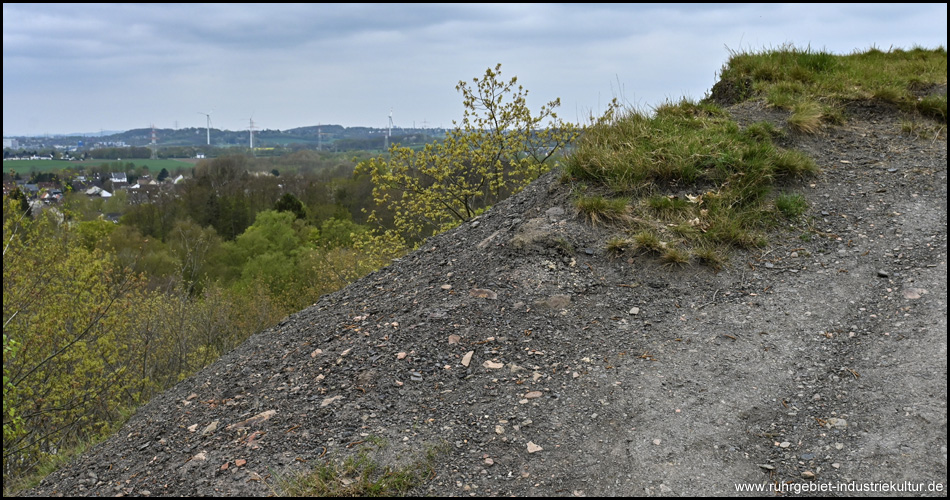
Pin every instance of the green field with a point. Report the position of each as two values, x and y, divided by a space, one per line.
25 167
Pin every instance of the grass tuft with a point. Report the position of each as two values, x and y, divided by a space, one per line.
668 204
934 106
617 245
788 163
674 256
806 117
791 206
361 476
709 256
648 241
598 209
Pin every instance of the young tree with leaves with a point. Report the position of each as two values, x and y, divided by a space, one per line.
497 149
66 328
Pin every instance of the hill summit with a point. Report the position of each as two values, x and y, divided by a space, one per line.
515 355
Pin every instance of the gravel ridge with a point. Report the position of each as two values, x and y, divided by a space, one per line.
537 364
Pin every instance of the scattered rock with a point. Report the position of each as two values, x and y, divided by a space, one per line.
483 293
559 301
535 236
256 419
491 365
213 426
836 423
329 401
487 241
533 448
513 368
467 358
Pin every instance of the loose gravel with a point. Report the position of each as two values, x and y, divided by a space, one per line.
533 363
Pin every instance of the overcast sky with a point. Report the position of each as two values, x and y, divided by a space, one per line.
84 68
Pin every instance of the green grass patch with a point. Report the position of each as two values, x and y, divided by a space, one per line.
791 206
361 475
814 82
687 174
919 129
933 106
667 204
601 209
696 180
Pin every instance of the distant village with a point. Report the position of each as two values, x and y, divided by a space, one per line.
95 185
193 143
18 148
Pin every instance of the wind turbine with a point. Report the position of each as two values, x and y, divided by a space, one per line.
208 127
250 131
390 132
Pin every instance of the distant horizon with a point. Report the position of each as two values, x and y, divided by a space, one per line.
114 132
87 67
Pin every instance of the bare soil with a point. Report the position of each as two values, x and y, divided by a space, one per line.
817 362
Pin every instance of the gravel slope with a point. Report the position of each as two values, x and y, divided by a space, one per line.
817 362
